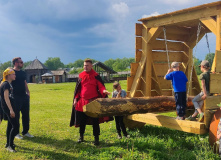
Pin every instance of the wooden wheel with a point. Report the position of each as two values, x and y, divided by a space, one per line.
213 130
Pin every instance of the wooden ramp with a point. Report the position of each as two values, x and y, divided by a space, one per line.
102 107
169 122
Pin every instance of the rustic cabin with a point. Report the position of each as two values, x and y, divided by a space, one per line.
34 71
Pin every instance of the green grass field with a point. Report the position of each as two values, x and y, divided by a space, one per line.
51 106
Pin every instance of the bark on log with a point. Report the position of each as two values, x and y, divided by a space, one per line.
102 107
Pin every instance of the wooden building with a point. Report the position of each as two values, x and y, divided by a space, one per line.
34 71
60 76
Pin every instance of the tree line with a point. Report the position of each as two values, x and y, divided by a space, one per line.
119 64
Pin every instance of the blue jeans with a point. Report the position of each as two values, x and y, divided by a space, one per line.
180 98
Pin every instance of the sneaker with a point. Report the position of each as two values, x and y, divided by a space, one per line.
28 135
18 136
179 118
119 136
190 118
10 149
201 117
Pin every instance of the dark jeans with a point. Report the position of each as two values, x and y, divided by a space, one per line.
12 128
120 125
95 123
22 105
180 98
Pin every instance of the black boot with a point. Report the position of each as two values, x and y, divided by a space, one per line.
81 139
96 140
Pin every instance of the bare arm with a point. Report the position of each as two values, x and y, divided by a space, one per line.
26 89
6 96
204 89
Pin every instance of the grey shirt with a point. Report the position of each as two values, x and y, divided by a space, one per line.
123 94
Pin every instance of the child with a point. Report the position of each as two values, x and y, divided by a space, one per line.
198 100
8 107
119 93
179 80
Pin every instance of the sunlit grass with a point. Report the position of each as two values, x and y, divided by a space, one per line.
51 106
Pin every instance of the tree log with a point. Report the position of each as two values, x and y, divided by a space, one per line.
102 107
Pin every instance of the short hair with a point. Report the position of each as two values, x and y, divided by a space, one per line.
115 85
15 60
88 60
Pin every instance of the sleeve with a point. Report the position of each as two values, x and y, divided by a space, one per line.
6 87
101 88
123 94
169 76
113 95
202 76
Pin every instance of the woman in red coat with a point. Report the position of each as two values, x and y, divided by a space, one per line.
89 87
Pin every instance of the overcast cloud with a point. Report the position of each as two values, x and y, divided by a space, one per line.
71 30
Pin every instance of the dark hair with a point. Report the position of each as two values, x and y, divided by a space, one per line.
115 85
15 60
88 60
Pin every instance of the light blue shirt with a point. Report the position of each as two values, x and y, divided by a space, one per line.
123 94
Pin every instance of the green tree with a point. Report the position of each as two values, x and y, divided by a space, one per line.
54 63
3 66
196 65
209 57
110 63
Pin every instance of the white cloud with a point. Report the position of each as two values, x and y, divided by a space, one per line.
151 15
121 9
176 2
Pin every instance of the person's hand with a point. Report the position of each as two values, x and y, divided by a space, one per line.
75 102
219 136
28 93
12 114
204 97
106 92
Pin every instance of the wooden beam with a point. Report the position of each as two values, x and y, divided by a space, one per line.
138 56
138 29
172 46
138 45
174 56
210 23
148 70
134 67
211 102
169 122
218 31
215 81
125 106
182 17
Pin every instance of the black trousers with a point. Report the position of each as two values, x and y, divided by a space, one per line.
22 105
180 98
120 125
95 123
12 128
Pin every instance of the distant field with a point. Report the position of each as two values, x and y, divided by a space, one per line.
50 114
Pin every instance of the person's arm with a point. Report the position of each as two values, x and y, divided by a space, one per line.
102 89
119 94
204 89
26 88
6 96
169 71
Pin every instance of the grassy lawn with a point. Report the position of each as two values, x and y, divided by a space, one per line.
50 115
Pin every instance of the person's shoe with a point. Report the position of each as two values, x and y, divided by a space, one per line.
96 140
201 117
81 139
190 118
13 146
18 136
179 118
119 136
28 135
10 149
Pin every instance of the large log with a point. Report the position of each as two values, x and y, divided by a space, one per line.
113 107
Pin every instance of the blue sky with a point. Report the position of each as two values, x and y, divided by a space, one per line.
71 30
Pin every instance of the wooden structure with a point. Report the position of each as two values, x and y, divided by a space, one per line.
34 71
176 34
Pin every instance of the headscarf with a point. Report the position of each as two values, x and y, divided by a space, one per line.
8 71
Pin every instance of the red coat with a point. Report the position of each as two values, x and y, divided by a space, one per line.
89 87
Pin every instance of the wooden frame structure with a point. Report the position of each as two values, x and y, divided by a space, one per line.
151 64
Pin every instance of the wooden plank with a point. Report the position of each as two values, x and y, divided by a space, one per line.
164 84
218 31
169 122
188 16
129 82
173 56
218 60
208 115
210 23
215 81
172 46
102 107
161 69
211 102
138 45
175 37
138 56
134 67
148 70
138 29
167 92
